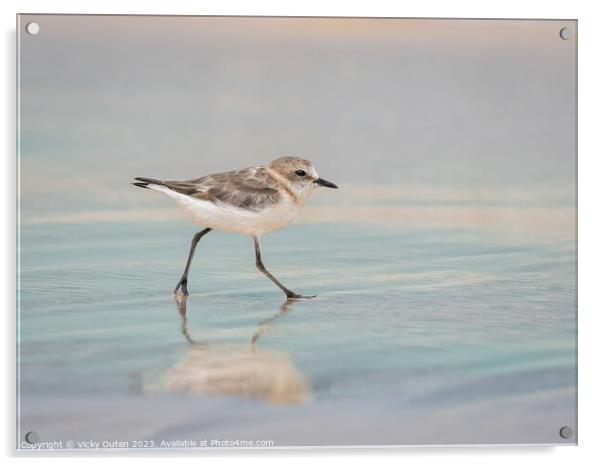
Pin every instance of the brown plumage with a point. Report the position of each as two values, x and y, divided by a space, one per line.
250 188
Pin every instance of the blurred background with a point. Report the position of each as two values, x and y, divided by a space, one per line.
443 112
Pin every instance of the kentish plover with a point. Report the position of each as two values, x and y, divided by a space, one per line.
253 201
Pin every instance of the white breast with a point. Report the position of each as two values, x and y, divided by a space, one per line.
234 219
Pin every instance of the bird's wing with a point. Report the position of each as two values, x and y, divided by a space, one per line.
249 188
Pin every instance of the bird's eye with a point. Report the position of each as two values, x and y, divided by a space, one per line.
300 173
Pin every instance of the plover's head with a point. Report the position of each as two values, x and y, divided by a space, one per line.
299 174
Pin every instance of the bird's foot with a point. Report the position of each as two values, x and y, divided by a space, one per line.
293 295
182 287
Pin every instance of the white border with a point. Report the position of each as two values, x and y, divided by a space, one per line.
590 226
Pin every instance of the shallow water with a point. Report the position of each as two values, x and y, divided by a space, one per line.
418 335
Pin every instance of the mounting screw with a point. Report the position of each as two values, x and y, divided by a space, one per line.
32 437
565 33
32 28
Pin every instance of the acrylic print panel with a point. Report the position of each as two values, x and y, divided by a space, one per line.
444 264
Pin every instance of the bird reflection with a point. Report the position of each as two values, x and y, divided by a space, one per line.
236 370
263 325
180 299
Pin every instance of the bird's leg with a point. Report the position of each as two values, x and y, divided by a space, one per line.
289 294
182 284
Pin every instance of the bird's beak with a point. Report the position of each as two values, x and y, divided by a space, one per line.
327 184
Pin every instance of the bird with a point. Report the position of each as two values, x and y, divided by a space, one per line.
252 201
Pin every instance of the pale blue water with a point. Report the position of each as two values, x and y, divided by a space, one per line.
417 335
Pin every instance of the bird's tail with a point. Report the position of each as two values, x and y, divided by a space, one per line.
144 182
